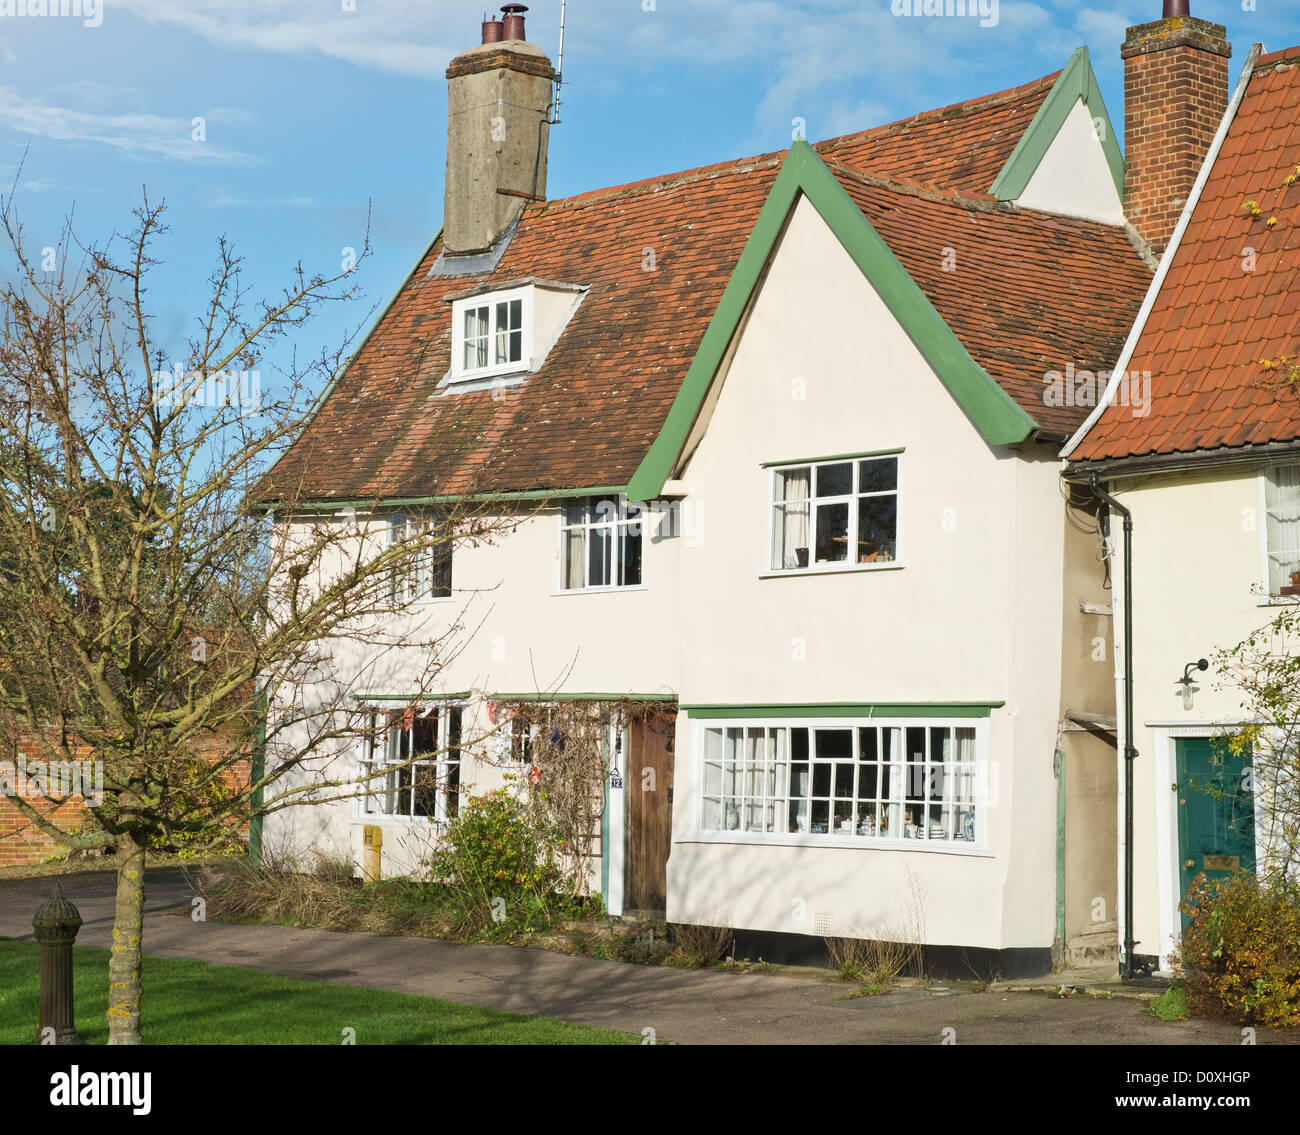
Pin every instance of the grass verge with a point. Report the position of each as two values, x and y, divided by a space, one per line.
189 1002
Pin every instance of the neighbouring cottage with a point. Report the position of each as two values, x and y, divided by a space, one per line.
779 439
1210 477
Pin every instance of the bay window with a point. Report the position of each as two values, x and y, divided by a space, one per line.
869 780
835 512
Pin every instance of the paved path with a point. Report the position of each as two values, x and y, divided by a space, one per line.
688 1007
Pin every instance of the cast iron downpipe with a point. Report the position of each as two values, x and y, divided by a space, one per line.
1130 752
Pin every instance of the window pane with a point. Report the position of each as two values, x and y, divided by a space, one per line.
574 544
832 533
792 484
575 514
878 475
1282 505
629 554
599 550
453 761
790 536
835 480
877 528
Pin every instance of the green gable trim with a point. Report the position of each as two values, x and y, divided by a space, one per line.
386 504
833 457
844 709
994 412
546 698
464 695
1076 82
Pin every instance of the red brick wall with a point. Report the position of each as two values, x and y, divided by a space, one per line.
1175 93
22 842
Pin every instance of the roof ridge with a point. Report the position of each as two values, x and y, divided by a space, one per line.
1282 55
992 99
667 180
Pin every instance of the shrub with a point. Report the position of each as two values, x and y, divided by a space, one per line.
1240 952
497 870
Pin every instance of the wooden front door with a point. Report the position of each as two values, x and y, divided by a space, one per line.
648 791
1216 812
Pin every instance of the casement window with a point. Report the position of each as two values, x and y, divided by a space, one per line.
492 334
835 512
426 574
600 544
868 781
1282 525
415 753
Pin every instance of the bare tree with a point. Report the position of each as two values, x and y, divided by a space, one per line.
157 590
1264 669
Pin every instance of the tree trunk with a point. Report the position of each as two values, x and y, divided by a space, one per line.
124 993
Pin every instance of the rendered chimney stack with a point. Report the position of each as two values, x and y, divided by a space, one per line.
1175 94
498 95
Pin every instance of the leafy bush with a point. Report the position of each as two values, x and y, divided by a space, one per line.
497 871
1240 952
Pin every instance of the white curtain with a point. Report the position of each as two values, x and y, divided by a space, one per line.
795 486
1282 504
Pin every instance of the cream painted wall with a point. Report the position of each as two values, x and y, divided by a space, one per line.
507 629
1197 554
1073 177
971 611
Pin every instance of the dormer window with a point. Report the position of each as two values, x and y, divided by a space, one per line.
493 331
502 333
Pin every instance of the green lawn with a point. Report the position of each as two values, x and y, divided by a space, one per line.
187 1002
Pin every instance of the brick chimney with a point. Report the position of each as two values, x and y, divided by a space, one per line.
1175 94
498 95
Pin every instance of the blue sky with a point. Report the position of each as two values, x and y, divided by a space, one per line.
315 108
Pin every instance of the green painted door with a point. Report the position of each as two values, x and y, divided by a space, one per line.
1216 812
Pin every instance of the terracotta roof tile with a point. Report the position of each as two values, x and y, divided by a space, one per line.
1032 293
1213 320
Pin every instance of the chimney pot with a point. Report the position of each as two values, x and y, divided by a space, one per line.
1177 8
493 31
513 20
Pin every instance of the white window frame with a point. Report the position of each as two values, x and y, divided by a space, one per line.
1269 596
417 585
976 798
490 300
615 526
771 472
381 800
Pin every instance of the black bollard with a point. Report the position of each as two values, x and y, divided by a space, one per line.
56 925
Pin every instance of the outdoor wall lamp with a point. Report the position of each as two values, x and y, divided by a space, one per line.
1185 681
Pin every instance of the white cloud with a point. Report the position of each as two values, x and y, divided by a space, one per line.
390 35
136 134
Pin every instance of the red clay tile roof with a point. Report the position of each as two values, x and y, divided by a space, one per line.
961 147
1213 322
1031 292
